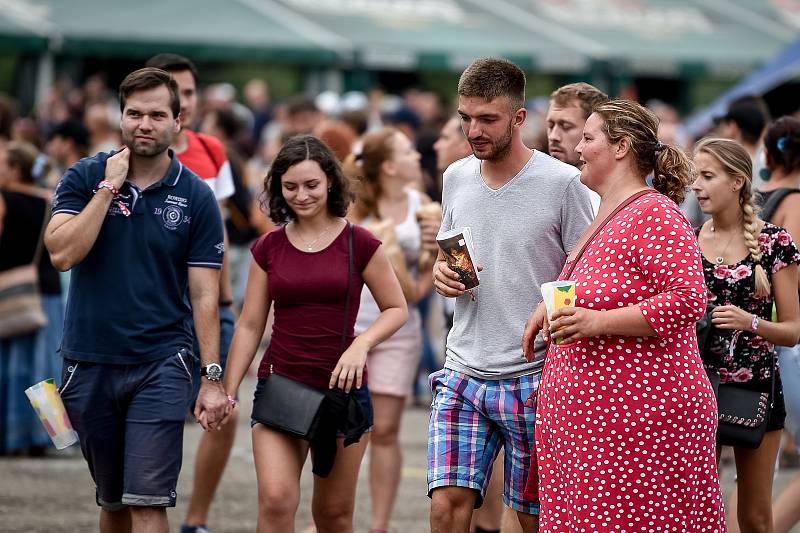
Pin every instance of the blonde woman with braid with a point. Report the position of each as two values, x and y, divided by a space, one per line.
748 265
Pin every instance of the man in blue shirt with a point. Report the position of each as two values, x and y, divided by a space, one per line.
143 237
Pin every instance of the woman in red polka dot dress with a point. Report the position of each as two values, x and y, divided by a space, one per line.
626 417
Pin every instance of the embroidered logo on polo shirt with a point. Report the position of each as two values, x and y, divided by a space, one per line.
176 200
172 216
220 247
172 212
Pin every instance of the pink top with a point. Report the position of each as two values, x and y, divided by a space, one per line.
308 289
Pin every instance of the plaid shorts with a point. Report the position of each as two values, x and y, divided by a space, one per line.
471 418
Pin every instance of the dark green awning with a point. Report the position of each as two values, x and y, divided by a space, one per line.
636 36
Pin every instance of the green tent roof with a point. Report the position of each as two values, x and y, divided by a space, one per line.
551 35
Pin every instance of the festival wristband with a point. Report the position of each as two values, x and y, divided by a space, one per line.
105 184
754 324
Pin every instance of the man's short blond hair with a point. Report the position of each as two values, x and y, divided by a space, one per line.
587 96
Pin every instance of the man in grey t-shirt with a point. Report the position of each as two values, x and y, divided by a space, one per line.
525 211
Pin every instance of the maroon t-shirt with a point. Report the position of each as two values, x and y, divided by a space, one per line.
308 289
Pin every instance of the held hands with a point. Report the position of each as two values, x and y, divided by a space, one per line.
731 317
117 167
447 282
349 369
212 407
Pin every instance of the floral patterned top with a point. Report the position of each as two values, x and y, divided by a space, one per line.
735 285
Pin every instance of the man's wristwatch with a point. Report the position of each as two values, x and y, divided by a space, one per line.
212 372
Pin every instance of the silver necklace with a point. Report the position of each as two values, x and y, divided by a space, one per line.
720 259
310 245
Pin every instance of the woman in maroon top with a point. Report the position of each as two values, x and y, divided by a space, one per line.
302 268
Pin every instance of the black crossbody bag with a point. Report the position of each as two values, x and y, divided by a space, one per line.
292 407
743 413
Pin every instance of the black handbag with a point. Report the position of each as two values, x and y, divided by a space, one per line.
288 406
292 407
743 413
743 416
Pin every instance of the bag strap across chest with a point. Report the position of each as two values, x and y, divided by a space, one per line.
628 201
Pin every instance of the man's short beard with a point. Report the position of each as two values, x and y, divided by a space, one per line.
501 148
157 148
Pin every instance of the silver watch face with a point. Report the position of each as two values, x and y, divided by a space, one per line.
213 372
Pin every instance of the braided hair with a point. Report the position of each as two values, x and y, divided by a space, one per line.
735 162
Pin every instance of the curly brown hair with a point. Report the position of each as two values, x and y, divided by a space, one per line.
296 150
671 168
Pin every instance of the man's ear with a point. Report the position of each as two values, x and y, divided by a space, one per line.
177 127
520 116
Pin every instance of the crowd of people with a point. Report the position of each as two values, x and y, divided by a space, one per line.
170 247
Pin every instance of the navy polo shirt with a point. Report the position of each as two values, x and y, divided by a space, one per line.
128 299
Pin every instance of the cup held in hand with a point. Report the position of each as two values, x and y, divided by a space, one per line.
558 294
46 400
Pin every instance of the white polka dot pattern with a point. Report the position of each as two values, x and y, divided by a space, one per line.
626 426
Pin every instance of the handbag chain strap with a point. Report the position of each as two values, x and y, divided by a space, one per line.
628 201
349 284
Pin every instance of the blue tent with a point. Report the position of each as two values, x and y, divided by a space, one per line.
784 67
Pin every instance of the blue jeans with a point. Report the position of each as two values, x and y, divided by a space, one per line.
130 422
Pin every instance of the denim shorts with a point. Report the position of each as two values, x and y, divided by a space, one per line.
130 422
361 395
227 321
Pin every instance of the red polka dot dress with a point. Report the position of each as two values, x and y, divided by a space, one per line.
626 426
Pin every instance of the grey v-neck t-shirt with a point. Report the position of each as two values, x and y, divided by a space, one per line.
523 232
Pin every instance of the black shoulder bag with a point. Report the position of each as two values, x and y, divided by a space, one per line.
291 407
743 414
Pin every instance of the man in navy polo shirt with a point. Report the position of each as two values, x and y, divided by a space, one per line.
143 237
